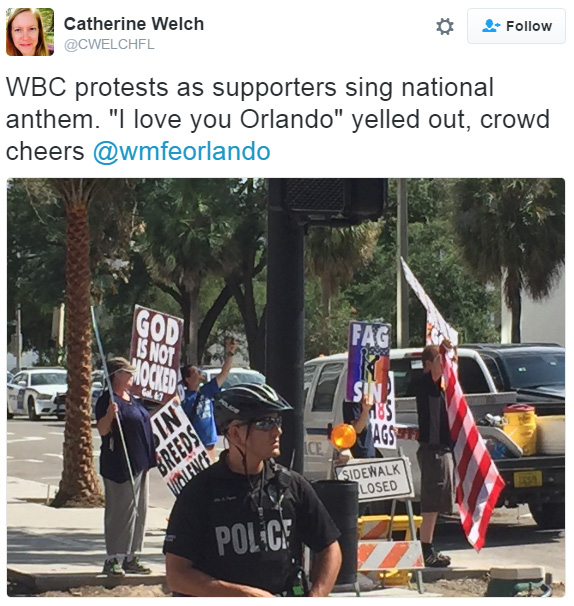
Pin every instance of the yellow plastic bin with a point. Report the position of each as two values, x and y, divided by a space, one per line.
521 427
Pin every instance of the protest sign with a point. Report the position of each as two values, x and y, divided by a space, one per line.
368 362
155 350
437 327
180 455
383 418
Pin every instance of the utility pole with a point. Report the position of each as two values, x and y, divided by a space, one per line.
402 251
18 337
285 334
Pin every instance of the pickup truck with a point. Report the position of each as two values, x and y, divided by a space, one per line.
492 376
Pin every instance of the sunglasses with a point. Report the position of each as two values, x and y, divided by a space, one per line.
267 423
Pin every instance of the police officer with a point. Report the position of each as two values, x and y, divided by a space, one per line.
238 527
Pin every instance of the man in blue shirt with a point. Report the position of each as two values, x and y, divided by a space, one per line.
196 401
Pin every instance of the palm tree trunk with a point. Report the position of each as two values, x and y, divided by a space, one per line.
258 361
209 320
191 323
326 297
516 311
513 296
245 300
79 484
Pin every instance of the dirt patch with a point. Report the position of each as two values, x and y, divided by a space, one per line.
462 588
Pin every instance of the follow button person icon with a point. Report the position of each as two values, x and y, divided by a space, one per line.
489 26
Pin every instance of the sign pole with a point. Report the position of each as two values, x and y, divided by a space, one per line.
391 519
413 531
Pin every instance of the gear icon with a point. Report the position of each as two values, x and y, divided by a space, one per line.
445 26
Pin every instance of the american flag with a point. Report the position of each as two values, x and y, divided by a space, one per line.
478 483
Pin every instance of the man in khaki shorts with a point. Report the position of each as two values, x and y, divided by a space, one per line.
434 454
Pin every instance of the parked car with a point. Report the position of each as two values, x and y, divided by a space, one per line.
33 391
534 371
10 378
236 376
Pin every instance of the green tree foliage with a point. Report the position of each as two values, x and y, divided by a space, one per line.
512 230
195 229
169 242
435 259
341 314
334 255
186 227
36 252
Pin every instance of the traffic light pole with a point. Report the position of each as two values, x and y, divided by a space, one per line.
19 337
285 334
402 251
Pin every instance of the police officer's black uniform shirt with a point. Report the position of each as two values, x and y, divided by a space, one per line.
216 526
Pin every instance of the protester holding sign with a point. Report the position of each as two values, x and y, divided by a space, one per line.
126 504
196 401
237 528
434 454
357 414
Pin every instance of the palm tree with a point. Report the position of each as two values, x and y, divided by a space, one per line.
334 255
512 230
79 481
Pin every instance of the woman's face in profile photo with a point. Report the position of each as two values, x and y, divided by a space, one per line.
25 33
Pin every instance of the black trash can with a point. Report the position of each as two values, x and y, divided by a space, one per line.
341 499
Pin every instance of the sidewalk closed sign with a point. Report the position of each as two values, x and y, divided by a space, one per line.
378 479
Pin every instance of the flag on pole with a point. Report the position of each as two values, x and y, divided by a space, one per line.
477 481
437 327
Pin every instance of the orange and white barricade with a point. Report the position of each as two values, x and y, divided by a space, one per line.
387 555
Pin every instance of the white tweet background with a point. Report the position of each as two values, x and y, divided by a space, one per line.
313 41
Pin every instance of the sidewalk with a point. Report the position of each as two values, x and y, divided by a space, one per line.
51 549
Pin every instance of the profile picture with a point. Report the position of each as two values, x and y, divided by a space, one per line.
29 32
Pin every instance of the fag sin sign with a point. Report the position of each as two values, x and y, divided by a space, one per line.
179 453
155 350
368 362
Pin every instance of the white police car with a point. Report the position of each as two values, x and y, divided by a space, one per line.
33 391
